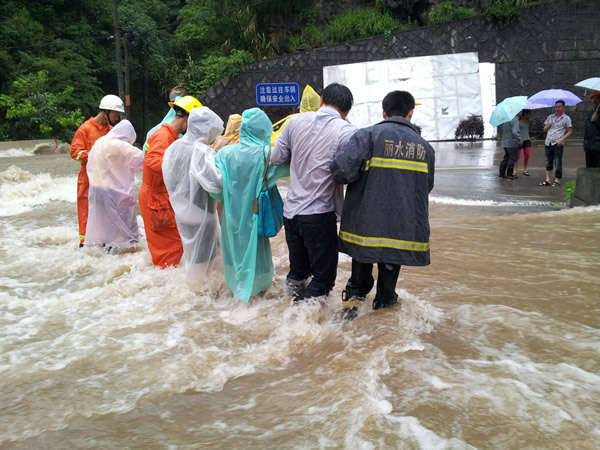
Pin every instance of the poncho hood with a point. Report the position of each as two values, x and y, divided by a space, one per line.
256 127
123 131
203 126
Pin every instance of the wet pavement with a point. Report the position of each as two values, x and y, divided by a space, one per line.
470 172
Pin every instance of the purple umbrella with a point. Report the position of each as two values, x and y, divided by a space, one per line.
548 97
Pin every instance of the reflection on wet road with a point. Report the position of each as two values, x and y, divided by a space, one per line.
470 172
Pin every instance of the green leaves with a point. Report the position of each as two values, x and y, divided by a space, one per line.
360 24
447 11
32 112
199 76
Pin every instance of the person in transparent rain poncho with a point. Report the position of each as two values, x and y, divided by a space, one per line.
111 168
246 257
190 173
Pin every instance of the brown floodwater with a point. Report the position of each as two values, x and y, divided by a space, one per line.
496 344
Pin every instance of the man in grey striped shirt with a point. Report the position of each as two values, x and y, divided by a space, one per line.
559 128
308 143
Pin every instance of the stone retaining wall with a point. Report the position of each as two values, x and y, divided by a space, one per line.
549 46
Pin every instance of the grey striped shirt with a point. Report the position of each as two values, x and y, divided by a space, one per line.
309 142
558 129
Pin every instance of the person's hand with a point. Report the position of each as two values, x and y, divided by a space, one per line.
560 142
549 123
594 116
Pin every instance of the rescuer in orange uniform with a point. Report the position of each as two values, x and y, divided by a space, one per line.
163 238
111 108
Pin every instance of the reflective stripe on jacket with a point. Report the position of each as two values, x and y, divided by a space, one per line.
389 169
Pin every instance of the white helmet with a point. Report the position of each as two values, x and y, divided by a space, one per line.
112 103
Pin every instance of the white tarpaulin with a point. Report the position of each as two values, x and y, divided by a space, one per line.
449 88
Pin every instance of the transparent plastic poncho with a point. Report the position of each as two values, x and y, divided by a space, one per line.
111 168
190 173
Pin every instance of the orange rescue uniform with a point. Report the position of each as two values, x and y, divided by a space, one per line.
163 238
85 136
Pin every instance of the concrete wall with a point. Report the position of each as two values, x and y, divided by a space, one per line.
587 188
549 46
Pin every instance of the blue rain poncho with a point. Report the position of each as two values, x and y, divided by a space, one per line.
246 257
190 174
169 117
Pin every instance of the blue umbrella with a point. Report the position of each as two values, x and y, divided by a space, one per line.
507 109
590 83
548 97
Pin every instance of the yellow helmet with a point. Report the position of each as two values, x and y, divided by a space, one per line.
187 103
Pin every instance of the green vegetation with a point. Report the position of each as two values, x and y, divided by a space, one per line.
199 76
310 37
32 110
447 11
57 57
504 11
361 24
569 190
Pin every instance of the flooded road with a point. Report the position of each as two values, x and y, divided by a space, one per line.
496 344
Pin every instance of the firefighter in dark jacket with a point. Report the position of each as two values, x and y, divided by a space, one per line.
389 169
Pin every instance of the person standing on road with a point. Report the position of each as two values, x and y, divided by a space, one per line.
559 128
308 143
525 142
591 138
86 135
389 169
511 140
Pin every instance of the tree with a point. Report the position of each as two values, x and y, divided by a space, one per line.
33 112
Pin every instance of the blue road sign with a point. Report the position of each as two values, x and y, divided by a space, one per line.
277 94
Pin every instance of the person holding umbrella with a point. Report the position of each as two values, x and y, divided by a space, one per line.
559 128
508 113
591 137
511 141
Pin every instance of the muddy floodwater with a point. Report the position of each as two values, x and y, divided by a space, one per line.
495 345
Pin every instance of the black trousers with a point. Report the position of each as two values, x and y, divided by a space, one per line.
508 162
592 160
361 282
312 245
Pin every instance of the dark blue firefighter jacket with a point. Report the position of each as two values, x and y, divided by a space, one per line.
389 169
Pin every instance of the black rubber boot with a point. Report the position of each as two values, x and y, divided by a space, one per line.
379 304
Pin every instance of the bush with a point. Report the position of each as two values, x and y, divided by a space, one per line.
469 129
504 11
360 24
447 11
199 77
310 37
